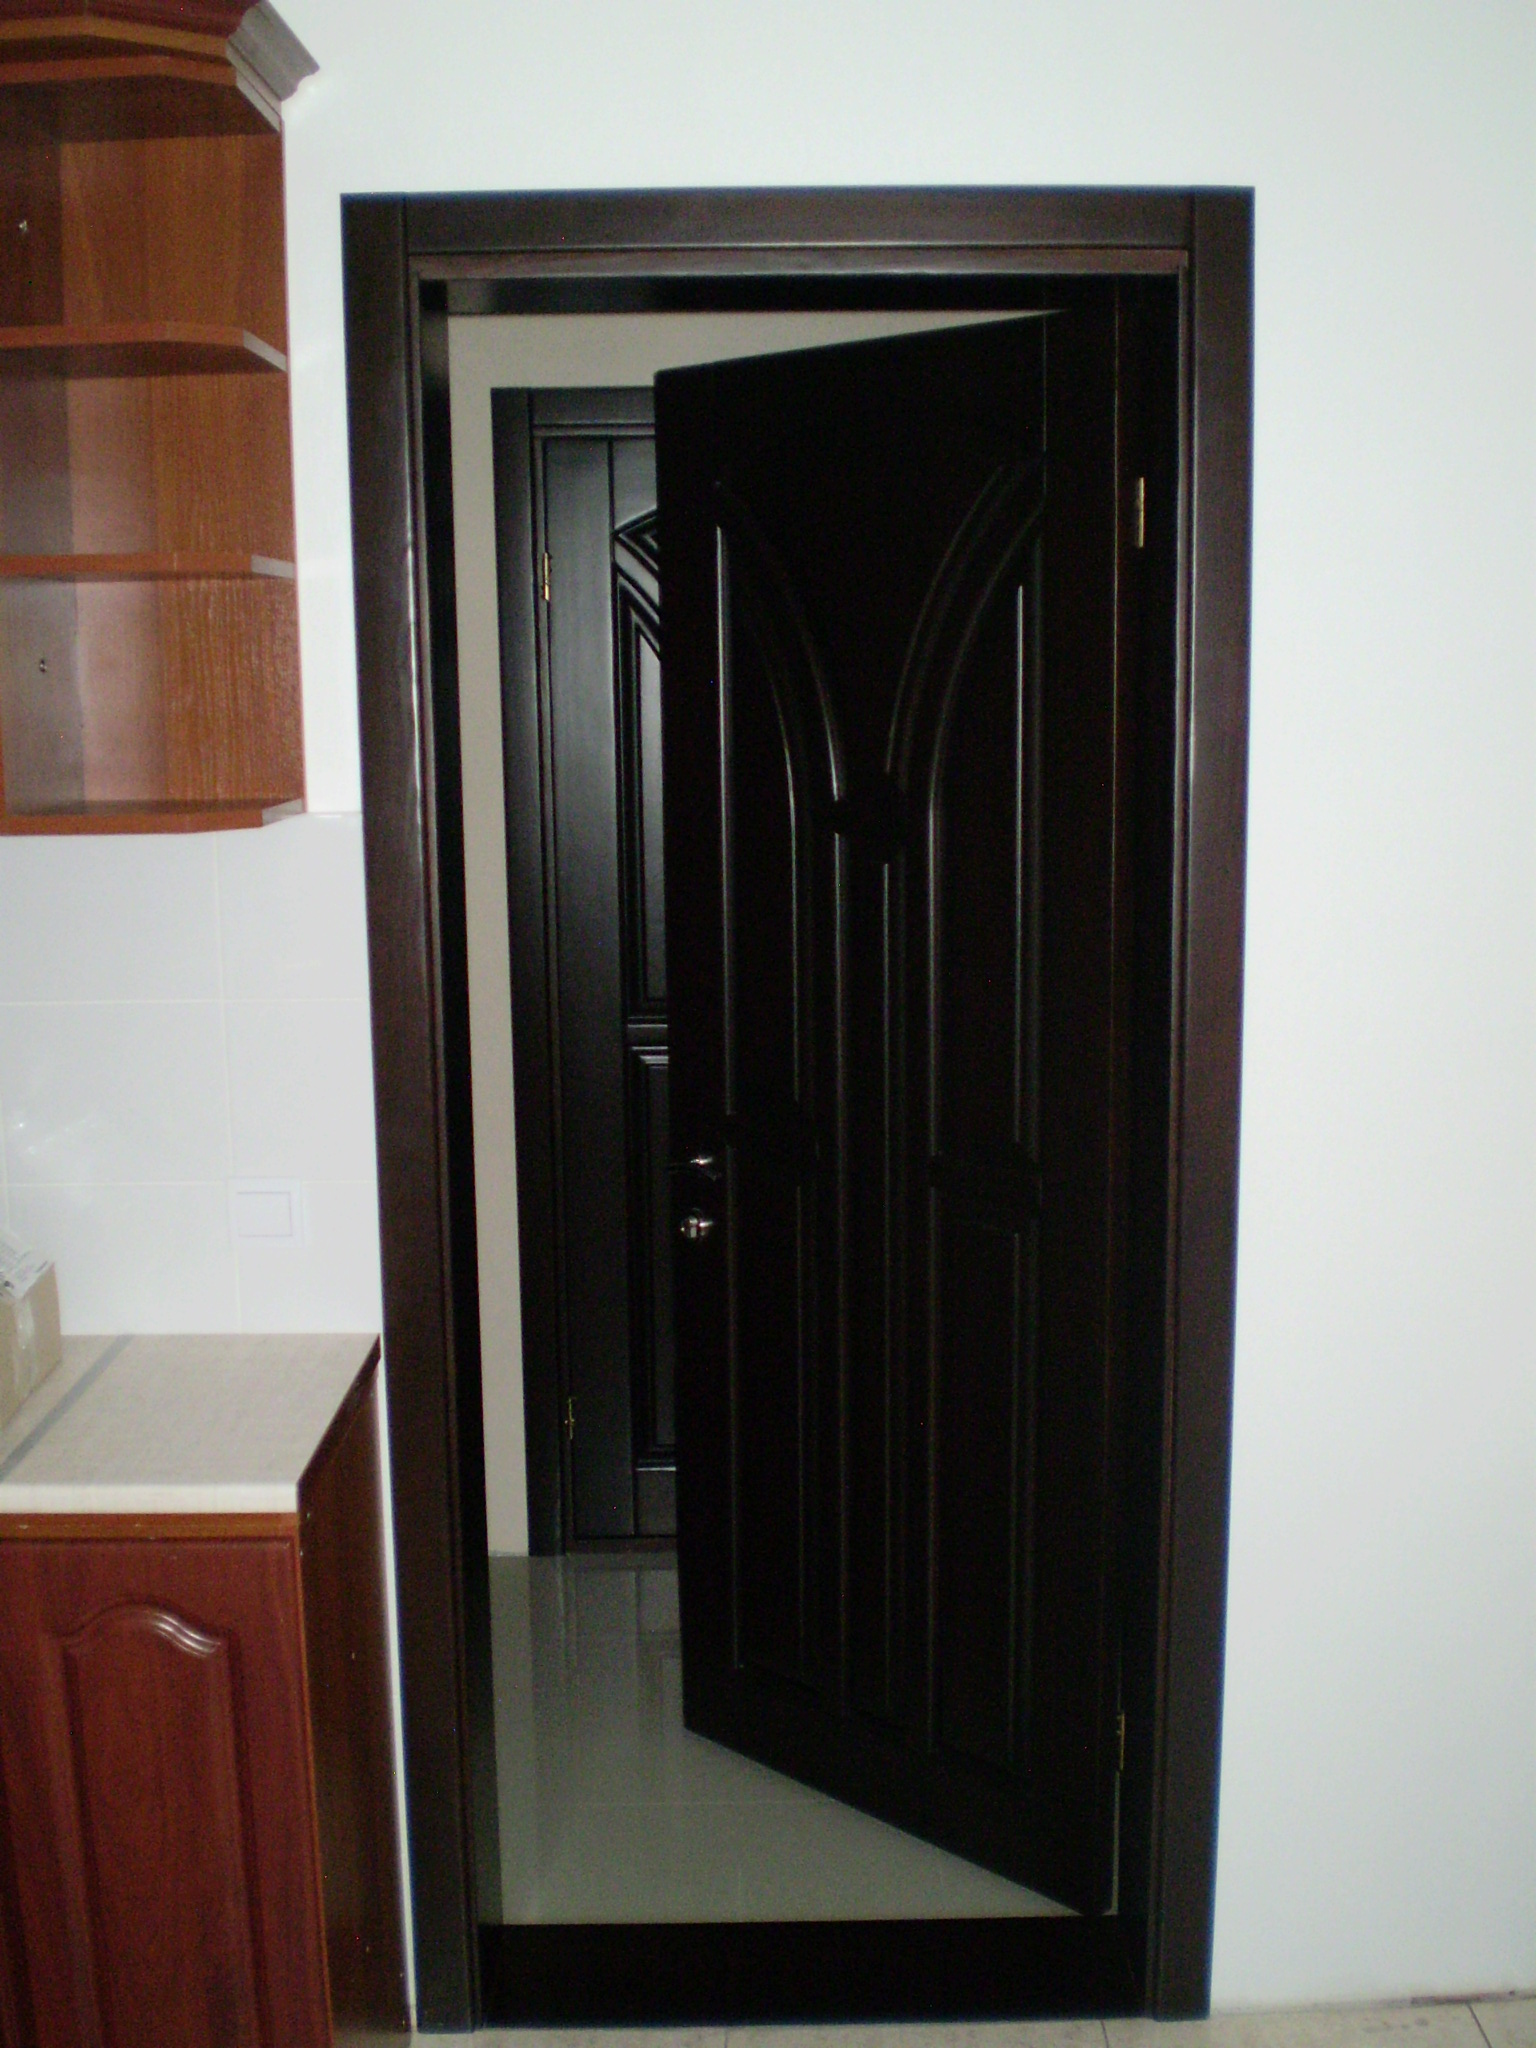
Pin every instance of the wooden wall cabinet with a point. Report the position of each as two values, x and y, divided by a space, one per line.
197 1825
149 675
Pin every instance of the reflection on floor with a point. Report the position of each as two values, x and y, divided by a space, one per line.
611 1811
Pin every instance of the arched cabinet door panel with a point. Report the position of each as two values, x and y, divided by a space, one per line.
151 1774
892 745
152 1733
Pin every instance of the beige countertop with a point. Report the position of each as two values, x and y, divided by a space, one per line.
176 1425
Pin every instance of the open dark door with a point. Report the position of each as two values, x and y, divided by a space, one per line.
892 773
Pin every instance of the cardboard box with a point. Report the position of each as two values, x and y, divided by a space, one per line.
30 1344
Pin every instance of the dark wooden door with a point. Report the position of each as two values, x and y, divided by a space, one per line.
154 1774
891 727
583 720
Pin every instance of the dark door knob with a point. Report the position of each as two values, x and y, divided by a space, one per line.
694 1226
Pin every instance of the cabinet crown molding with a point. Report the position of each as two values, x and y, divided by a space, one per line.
256 41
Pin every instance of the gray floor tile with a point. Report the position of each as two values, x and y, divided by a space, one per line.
1507 2022
977 2034
605 2037
610 1810
1359 2026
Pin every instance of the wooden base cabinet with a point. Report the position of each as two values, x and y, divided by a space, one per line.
198 1845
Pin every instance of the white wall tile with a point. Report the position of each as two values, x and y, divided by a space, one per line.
301 1089
112 1092
326 1280
117 1058
135 1258
108 919
292 909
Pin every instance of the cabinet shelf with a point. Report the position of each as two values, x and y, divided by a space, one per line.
137 348
151 816
149 659
147 568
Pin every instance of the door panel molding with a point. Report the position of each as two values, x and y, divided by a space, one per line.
779 753
406 262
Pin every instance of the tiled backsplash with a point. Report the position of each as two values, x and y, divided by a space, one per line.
179 1015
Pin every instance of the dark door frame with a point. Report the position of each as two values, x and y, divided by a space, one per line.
406 261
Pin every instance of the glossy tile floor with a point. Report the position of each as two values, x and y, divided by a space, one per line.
611 1811
1492 2023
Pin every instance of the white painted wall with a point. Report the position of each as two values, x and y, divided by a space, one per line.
1379 1784
1379 1780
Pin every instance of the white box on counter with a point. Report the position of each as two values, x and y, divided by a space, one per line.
30 1343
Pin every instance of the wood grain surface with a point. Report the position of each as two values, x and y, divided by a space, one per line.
145 568
156 1772
142 282
184 24
102 98
163 816
341 1556
135 348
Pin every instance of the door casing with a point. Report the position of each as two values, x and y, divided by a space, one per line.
407 263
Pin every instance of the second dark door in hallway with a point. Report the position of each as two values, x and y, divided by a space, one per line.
577 483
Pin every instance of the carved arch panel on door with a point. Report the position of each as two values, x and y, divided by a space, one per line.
781 764
637 622
965 754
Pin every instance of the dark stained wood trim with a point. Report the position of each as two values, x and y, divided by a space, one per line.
806 1971
436 585
675 267
1208 1067
391 245
883 219
340 1558
422 1388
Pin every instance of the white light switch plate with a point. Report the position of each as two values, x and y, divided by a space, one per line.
267 1211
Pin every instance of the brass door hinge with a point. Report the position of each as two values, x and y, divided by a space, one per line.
570 1420
544 575
1138 514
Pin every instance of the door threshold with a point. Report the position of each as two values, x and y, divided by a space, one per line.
737 1973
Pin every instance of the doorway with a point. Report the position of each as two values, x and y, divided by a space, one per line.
1204 243
598 1457
609 1807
